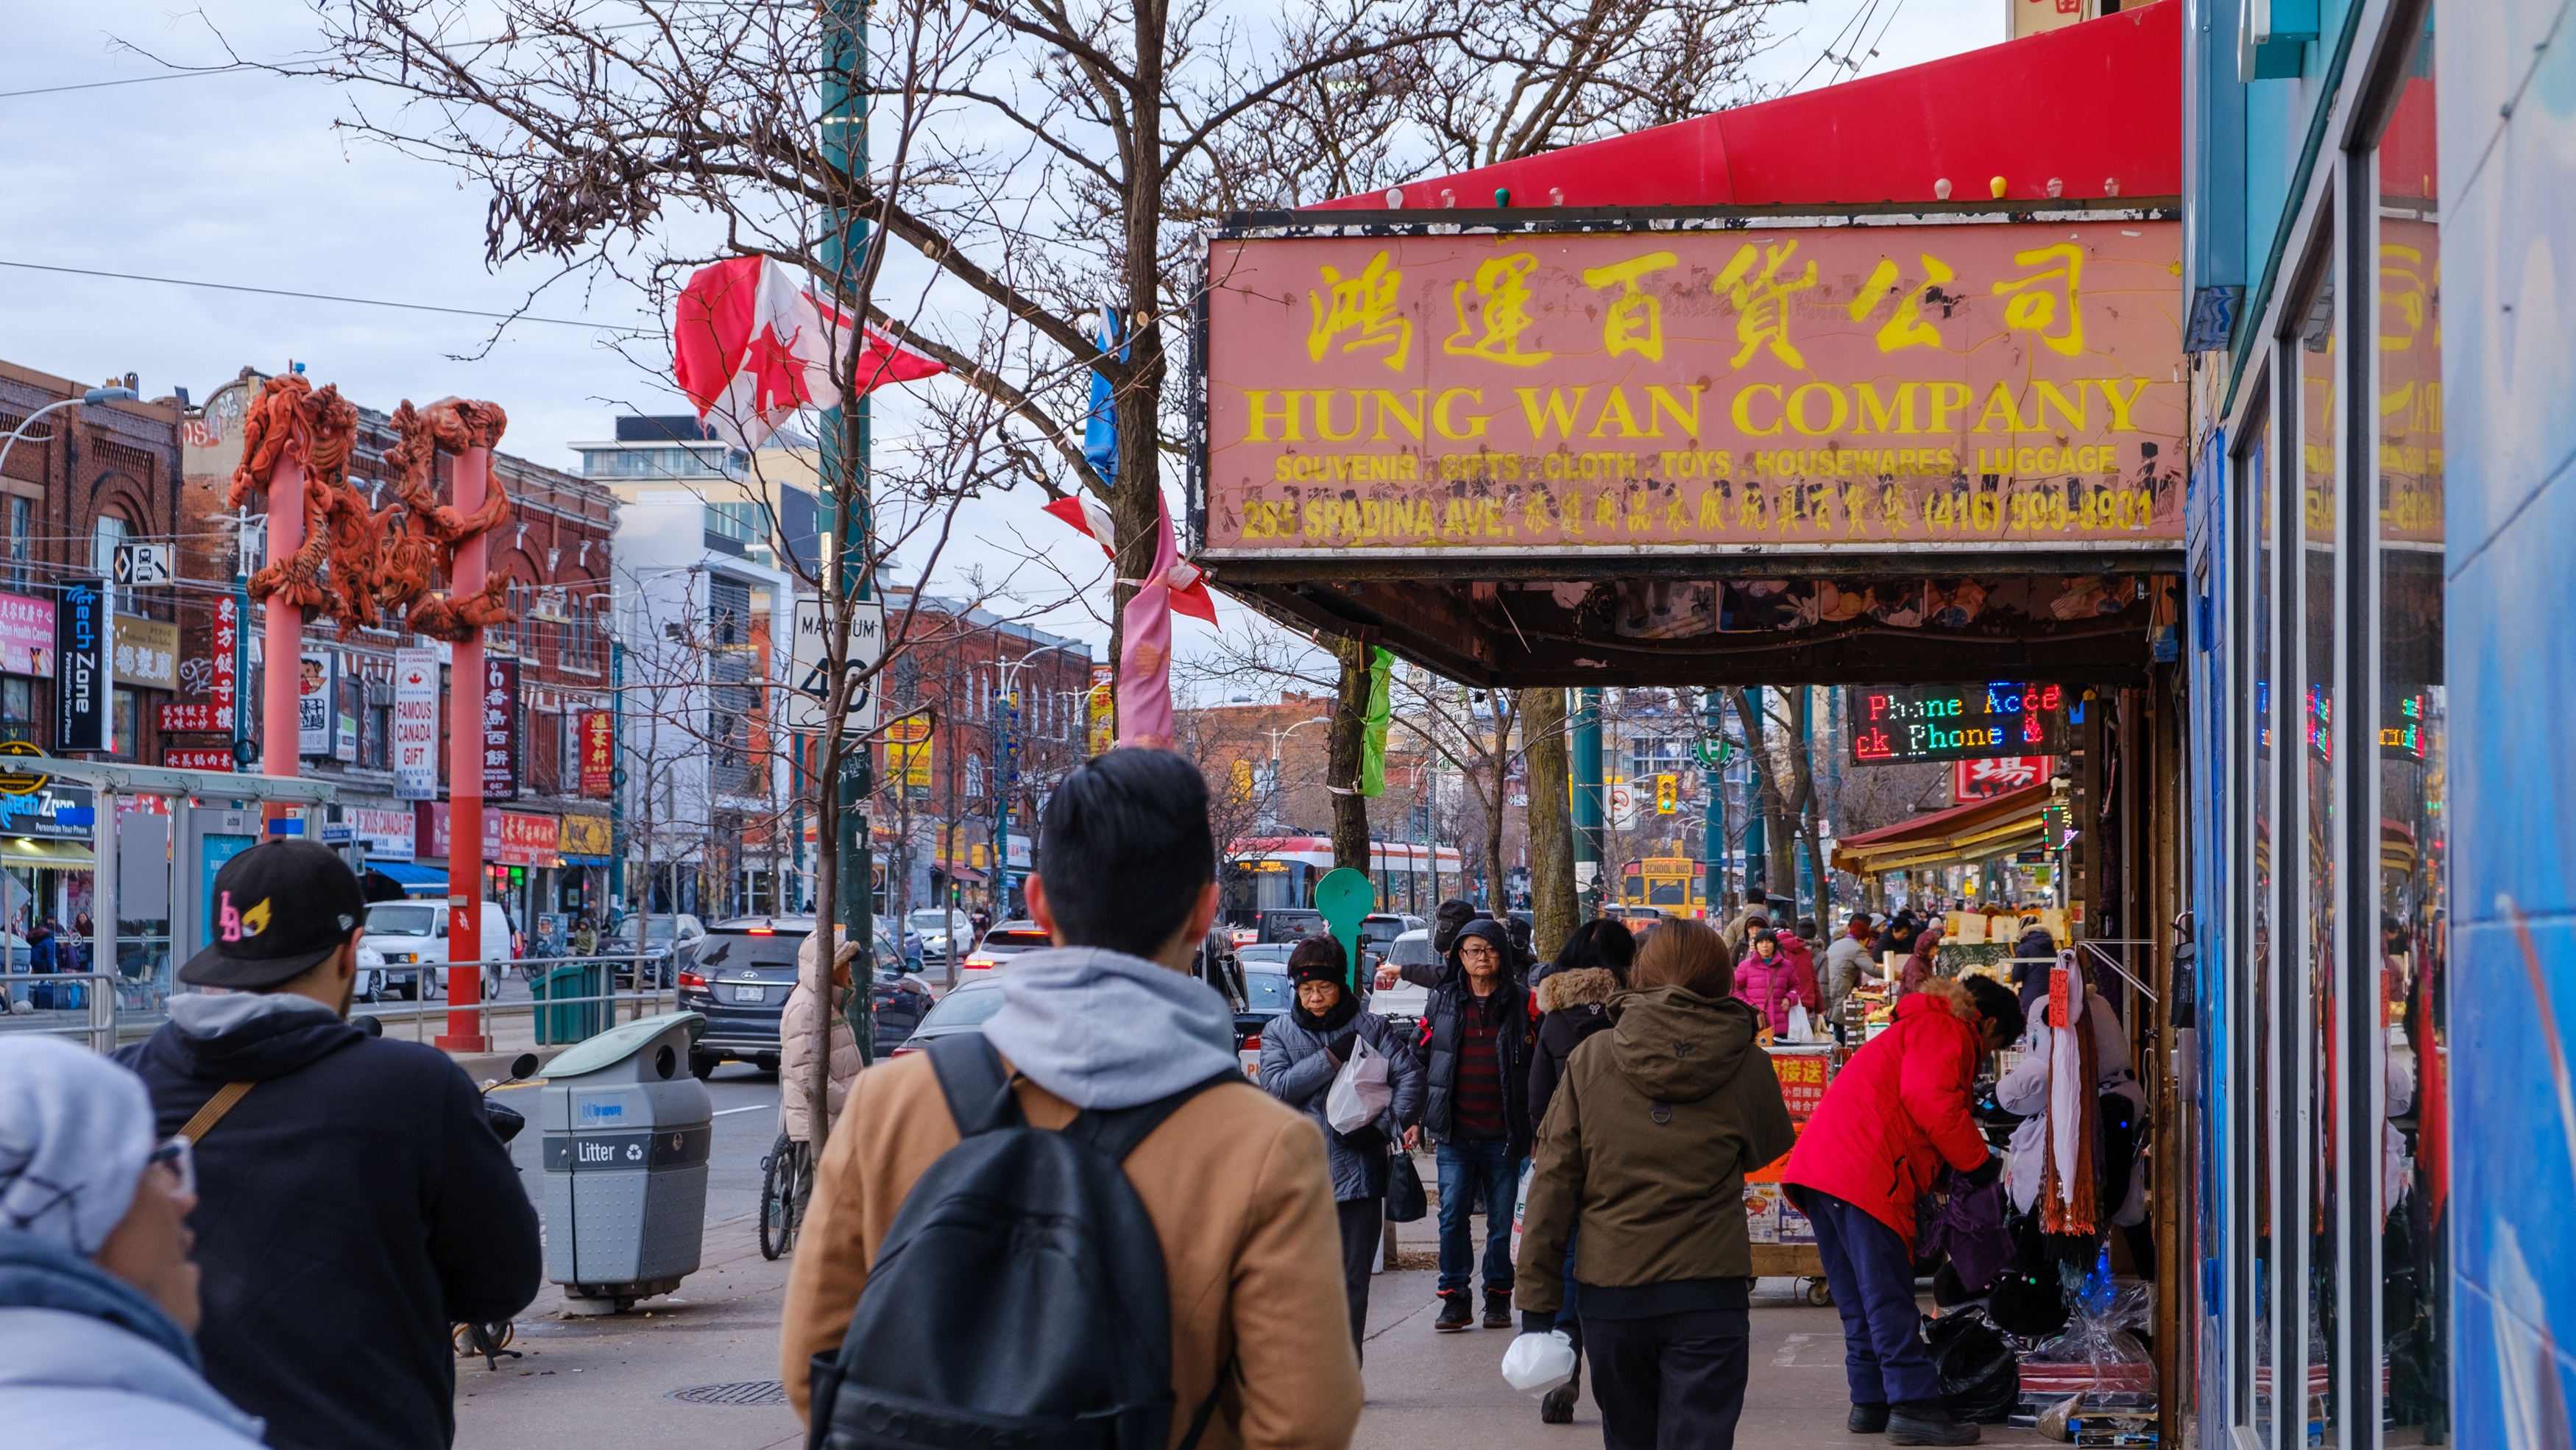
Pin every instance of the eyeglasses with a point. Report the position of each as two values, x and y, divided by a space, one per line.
181 1159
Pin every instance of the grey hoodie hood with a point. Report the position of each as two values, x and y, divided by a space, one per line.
1101 1029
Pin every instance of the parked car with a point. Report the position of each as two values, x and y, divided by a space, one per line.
404 939
929 927
738 979
1401 999
962 1010
1287 923
900 1002
1004 942
1266 995
670 942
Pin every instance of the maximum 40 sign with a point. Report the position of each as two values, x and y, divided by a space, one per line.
809 678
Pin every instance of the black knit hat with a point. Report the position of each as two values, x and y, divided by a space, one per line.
1318 958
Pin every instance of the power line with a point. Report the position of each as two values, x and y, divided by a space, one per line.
128 81
323 297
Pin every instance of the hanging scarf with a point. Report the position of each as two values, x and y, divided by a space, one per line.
2066 1187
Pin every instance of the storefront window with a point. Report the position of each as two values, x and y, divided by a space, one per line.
2255 466
22 528
2412 1144
17 709
2320 814
128 725
105 537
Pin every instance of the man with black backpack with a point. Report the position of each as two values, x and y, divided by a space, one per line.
1080 1227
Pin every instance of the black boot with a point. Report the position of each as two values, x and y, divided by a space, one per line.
1867 1419
1556 1407
1498 1309
1454 1313
1925 1422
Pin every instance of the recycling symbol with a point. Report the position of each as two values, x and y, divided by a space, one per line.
634 1152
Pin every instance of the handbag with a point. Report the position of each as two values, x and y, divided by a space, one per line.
1405 1200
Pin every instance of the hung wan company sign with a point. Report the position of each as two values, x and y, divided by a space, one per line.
1994 385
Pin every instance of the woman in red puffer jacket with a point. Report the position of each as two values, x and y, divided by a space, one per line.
1768 980
1895 1116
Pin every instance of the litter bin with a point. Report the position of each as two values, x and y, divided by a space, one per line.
561 1021
626 1134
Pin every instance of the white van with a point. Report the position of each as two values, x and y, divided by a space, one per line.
403 936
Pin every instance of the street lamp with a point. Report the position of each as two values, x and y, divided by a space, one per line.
1279 735
94 395
1004 777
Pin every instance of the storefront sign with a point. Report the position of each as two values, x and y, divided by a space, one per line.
1996 386
1909 724
219 758
388 834
223 682
415 743
585 840
1976 780
147 653
315 717
500 730
84 686
598 754
527 840
1102 709
54 811
26 636
187 717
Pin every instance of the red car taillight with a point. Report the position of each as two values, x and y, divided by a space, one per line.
900 1051
1252 1043
692 982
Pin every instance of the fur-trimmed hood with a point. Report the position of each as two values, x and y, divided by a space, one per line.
1955 994
1580 987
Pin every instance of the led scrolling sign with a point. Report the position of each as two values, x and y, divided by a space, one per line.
1914 724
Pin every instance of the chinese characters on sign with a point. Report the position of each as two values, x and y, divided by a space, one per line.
2014 385
187 717
1977 780
1802 1082
598 752
223 681
192 759
415 743
500 730
26 636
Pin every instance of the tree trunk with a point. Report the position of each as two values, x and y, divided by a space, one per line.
1506 715
1779 851
1553 913
1342 765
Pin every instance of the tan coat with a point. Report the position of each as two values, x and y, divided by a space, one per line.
796 1042
1236 1185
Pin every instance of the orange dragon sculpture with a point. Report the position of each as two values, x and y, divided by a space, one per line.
382 564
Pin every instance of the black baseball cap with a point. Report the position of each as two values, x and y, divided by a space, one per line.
279 908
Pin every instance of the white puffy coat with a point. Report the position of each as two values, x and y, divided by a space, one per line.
796 1039
71 1381
2024 1091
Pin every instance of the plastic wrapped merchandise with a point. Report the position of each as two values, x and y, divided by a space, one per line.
1980 1376
1537 1363
2099 1355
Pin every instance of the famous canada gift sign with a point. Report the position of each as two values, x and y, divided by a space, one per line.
1986 385
415 742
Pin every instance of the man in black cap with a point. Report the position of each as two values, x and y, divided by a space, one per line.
353 1200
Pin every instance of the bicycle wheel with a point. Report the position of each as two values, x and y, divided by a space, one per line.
777 1198
800 1187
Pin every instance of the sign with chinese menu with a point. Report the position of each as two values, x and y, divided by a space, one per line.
598 753
415 742
1977 780
83 688
219 758
1909 724
223 679
1792 387
26 636
500 730
191 717
316 704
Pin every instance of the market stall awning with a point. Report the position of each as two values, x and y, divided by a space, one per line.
414 880
1977 831
49 855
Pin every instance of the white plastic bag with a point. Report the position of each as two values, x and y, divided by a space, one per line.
1537 1363
1360 1091
1798 1031
1520 1204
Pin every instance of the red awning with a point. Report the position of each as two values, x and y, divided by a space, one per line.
2096 107
1977 831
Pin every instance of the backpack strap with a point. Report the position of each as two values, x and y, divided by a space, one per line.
214 1110
1117 1131
971 1078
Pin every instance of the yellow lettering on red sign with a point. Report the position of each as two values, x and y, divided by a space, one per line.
1907 328
2048 302
1502 290
1635 321
1762 301
1363 305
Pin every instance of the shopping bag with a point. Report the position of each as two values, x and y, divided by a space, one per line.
1360 1091
1520 1205
1405 1200
1537 1363
1798 1023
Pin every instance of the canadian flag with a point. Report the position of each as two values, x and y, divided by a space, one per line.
1188 585
754 345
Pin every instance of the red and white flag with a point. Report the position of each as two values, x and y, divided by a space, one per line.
754 345
1189 588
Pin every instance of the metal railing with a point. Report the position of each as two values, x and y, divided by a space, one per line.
488 1013
94 1018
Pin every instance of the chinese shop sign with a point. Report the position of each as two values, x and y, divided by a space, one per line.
415 742
500 730
598 752
1991 385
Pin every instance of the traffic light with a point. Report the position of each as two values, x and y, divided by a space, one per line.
1668 795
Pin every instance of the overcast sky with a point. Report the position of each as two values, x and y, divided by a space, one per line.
242 178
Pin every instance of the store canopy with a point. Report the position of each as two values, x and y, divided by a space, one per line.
2093 109
1977 831
414 880
47 855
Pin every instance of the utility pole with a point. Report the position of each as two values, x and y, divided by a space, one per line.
1588 797
1712 762
846 442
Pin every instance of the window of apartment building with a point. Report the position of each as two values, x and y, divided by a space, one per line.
746 524
106 537
728 613
375 730
22 528
18 709
585 640
731 696
974 777
128 726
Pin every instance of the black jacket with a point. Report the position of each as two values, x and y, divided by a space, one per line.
1443 1024
350 1207
1574 1004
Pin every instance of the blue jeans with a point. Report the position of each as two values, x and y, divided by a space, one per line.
1872 1276
1474 1170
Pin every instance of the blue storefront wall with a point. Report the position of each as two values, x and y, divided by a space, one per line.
2508 158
